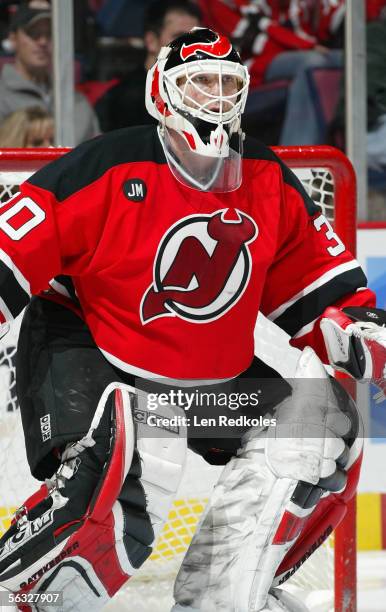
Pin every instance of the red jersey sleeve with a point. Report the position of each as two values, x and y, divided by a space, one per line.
42 236
312 270
285 37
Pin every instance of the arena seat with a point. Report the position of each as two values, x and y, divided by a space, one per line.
325 85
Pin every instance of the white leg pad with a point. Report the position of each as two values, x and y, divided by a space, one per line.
251 520
229 563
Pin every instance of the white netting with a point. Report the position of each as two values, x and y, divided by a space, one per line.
320 187
151 589
9 184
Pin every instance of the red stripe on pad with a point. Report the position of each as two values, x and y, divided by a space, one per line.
289 528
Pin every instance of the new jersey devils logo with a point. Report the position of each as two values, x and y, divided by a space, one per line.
202 267
221 47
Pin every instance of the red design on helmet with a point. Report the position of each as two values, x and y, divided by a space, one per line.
219 48
190 139
155 94
196 120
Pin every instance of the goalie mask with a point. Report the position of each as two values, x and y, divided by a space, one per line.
197 90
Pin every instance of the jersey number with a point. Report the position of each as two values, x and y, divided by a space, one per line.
339 247
23 206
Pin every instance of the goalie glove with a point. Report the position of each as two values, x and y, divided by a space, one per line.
355 340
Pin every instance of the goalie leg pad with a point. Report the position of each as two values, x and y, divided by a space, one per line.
112 540
241 516
73 510
253 517
282 601
332 507
126 536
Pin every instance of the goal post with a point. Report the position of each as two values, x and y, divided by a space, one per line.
338 166
329 178
344 218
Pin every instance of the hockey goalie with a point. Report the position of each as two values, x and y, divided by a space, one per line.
143 258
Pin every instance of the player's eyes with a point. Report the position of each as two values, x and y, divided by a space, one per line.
202 80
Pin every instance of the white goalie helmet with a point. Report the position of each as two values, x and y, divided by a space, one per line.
197 91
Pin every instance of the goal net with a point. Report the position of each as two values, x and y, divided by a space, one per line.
328 177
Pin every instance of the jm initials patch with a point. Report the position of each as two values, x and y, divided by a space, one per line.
135 190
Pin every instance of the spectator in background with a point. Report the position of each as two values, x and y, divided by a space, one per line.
301 125
27 82
281 40
27 127
376 103
123 104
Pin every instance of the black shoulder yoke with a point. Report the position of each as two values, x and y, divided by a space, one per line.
90 160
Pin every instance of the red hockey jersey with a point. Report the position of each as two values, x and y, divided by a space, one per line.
169 279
